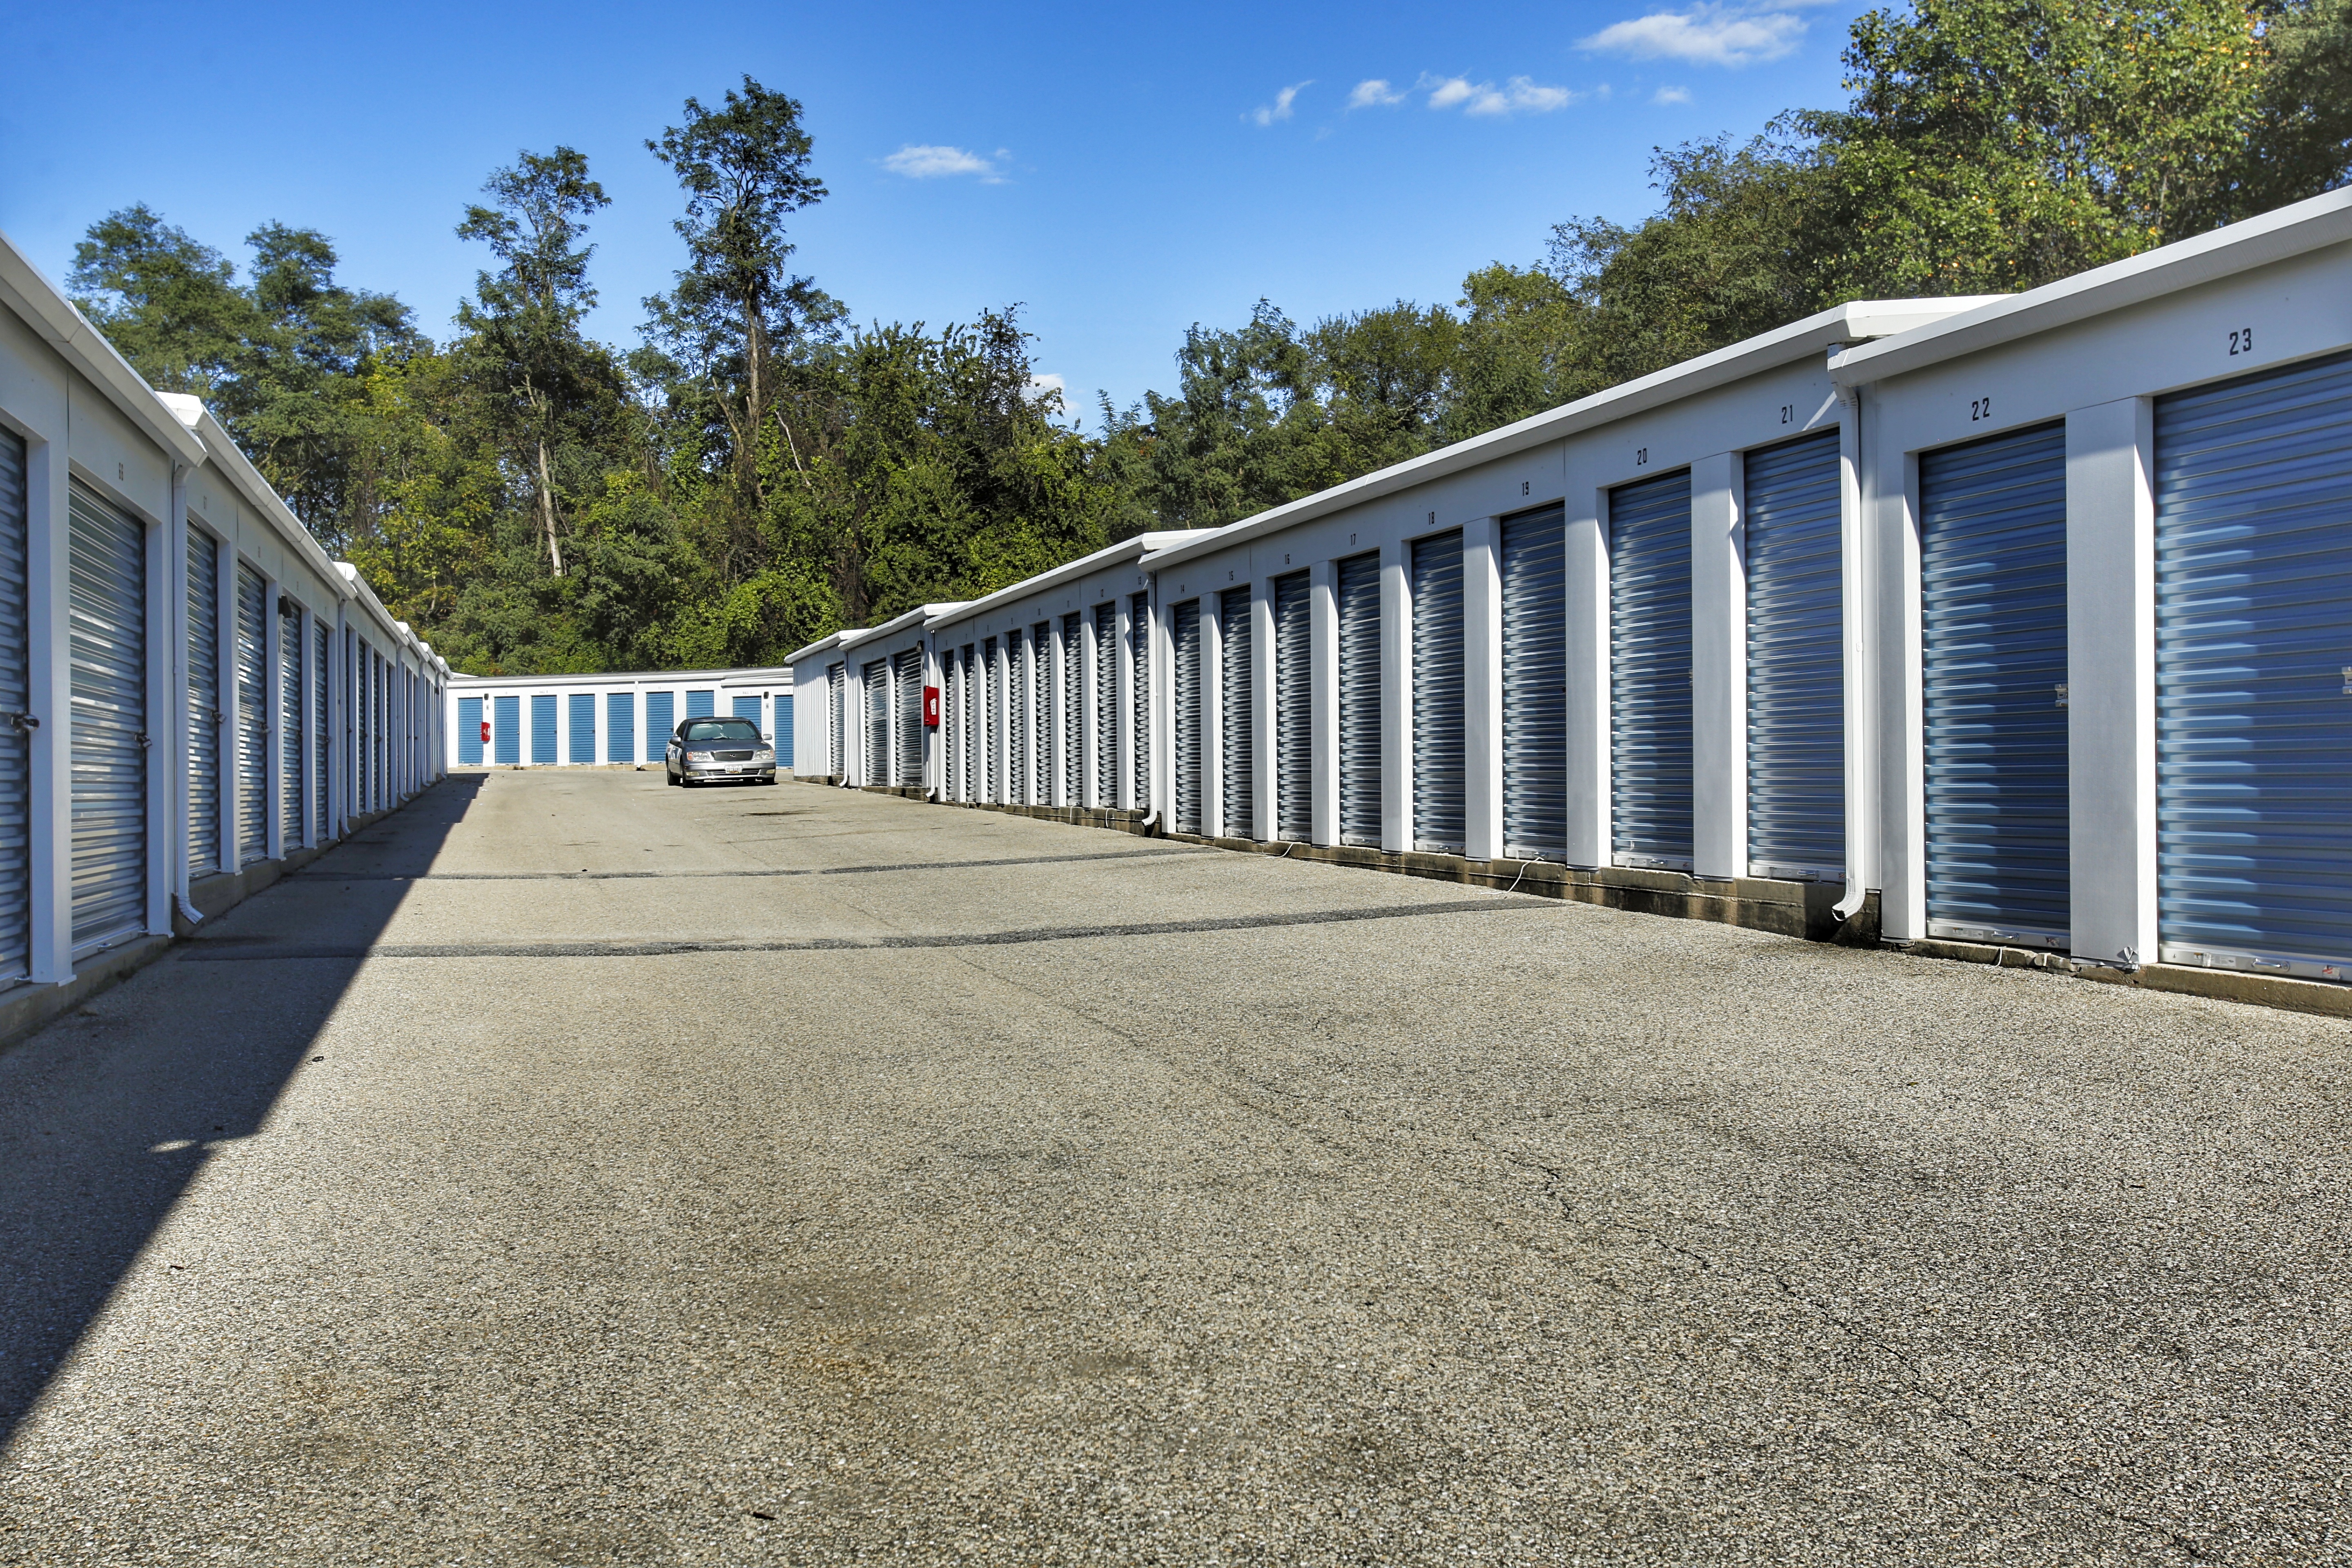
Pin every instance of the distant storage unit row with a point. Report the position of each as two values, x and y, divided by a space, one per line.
2031 614
606 721
188 685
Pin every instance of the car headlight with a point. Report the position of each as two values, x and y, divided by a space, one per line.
765 755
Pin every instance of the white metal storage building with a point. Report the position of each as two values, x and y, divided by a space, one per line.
2021 622
191 694
604 720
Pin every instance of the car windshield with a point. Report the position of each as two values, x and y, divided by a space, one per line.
722 730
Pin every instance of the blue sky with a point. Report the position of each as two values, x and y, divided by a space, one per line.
1121 174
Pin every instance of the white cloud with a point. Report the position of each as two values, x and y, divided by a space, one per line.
1671 95
1519 95
1267 113
925 163
1374 94
1704 34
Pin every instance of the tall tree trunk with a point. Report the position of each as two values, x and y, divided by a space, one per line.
546 511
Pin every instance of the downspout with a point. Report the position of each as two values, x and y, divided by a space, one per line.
1861 731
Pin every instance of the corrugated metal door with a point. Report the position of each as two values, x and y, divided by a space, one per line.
1649 673
950 726
293 720
16 696
583 717
878 723
1437 735
1238 693
1016 720
993 764
1535 685
968 694
1107 706
252 715
1360 700
1294 711
1796 662
2253 686
702 704
1993 575
906 672
205 714
506 731
837 687
620 726
1073 690
321 714
661 723
784 735
108 602
1185 633
1139 657
1043 708
470 732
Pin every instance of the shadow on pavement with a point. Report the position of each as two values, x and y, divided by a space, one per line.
106 1116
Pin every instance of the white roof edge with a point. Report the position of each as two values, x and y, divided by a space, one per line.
2292 230
223 454
45 308
764 674
1855 320
1054 577
824 644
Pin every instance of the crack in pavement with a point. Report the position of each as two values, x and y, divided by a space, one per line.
255 949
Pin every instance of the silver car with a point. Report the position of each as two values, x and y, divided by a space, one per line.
718 750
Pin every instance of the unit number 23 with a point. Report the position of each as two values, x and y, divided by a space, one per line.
2241 342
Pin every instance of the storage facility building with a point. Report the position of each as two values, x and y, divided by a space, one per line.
605 721
192 697
2022 622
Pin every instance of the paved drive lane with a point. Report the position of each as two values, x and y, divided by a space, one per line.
580 1172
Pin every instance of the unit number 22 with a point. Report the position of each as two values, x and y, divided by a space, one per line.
1979 409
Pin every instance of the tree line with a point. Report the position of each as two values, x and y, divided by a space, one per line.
760 471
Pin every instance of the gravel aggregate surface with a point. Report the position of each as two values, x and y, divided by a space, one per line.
574 1170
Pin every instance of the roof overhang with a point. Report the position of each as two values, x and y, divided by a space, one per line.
1855 322
54 319
1069 572
2291 231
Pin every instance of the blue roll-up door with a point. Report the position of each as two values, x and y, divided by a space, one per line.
1185 634
1535 685
702 704
1360 700
1139 606
1237 700
252 715
620 726
322 731
506 730
106 587
1796 662
470 732
205 714
2254 675
783 730
1437 732
1294 711
543 728
292 718
661 721
1649 673
876 770
747 708
15 698
1992 577
582 716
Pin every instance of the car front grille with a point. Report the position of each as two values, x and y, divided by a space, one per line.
731 756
